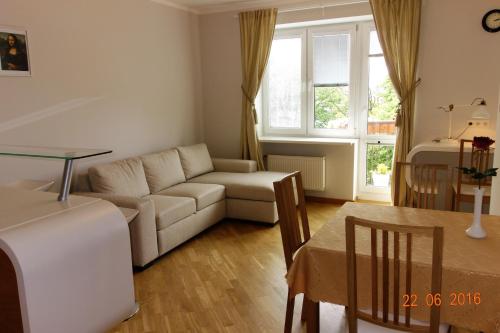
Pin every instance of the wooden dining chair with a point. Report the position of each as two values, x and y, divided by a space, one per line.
374 316
423 184
291 204
464 184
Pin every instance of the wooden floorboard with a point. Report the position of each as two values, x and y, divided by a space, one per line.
230 278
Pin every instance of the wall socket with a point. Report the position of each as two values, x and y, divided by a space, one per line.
478 123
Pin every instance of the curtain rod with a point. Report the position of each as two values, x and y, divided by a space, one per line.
298 9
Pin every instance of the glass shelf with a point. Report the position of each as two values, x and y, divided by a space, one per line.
68 155
50 152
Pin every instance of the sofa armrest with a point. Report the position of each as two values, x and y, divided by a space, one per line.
143 237
234 165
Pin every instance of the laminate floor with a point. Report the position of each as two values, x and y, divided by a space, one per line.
229 278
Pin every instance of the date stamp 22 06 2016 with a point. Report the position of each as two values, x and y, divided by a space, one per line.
454 299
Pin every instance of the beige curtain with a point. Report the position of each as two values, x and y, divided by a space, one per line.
256 32
398 28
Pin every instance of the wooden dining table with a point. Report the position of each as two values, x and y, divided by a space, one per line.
470 296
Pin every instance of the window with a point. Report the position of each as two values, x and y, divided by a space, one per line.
283 84
307 88
332 81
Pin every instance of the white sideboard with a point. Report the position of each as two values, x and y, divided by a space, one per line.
64 266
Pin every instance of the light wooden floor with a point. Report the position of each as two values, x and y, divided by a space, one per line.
230 278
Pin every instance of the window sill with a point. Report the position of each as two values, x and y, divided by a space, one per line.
307 140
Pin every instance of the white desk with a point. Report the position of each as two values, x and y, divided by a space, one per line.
64 266
430 146
437 147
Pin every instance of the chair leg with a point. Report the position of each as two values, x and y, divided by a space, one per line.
307 307
452 201
290 303
305 304
313 317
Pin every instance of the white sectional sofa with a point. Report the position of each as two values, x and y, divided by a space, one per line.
179 193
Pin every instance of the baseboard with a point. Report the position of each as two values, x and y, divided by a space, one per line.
332 201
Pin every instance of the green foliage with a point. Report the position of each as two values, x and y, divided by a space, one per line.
376 155
331 103
477 174
383 101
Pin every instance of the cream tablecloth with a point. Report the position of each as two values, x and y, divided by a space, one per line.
469 265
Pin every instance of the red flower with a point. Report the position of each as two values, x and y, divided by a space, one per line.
482 142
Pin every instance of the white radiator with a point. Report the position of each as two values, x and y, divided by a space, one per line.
312 169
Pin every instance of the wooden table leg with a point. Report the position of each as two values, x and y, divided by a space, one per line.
312 316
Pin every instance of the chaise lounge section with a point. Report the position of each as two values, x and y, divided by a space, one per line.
179 193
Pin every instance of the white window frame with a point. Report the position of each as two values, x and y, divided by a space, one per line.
285 34
353 80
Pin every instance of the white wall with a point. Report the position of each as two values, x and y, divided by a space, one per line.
117 74
221 74
458 62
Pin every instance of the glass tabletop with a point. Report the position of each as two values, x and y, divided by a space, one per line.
51 152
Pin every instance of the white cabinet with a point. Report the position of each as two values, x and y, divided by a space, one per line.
69 263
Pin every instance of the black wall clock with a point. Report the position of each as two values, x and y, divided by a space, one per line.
491 21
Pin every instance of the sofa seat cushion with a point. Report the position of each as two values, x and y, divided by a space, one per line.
204 194
169 210
125 177
249 186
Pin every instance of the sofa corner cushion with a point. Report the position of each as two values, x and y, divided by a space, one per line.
163 170
195 160
204 194
124 177
169 210
250 186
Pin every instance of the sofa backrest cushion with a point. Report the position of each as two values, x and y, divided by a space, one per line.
195 160
125 177
163 170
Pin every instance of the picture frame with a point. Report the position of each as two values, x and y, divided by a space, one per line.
14 52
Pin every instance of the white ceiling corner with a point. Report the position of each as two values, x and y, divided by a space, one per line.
219 6
176 4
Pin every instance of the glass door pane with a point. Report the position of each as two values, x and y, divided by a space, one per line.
379 164
383 101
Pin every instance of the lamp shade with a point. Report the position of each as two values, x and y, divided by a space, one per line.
481 112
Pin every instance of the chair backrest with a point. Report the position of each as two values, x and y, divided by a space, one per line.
291 234
479 159
436 233
424 184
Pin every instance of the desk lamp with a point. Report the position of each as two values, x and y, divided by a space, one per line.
480 113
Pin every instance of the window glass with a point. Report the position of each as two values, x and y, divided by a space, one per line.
375 47
331 59
331 68
383 101
379 164
285 82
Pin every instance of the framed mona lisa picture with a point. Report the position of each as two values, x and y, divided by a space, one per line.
14 56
